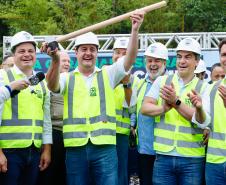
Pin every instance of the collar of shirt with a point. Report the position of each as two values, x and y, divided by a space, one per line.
147 78
181 82
19 72
96 69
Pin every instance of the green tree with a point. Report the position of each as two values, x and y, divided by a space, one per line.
203 15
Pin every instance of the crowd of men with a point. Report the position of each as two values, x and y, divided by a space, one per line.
74 127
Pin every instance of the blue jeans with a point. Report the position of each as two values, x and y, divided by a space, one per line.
97 161
122 153
215 174
174 170
22 166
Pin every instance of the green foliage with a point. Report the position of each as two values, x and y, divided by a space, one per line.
64 16
203 15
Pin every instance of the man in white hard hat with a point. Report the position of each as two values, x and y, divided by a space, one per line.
155 58
25 131
216 151
178 109
89 113
123 100
200 70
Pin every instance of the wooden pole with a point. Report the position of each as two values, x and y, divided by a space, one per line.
110 21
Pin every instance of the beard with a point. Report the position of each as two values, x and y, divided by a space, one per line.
160 72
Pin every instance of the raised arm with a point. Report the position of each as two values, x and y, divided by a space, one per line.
130 58
53 74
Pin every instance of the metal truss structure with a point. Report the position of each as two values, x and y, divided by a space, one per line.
207 40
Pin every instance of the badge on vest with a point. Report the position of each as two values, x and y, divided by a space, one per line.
92 91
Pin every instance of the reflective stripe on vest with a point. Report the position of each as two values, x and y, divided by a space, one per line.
103 117
122 113
181 129
16 122
215 154
163 125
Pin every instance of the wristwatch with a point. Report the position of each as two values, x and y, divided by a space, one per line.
177 102
127 85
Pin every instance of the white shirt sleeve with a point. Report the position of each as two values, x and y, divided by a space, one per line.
206 107
116 72
155 88
4 95
63 81
47 125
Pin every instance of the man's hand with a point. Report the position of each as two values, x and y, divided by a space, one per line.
206 134
45 157
168 93
126 79
3 162
19 85
137 18
222 90
54 54
195 99
166 107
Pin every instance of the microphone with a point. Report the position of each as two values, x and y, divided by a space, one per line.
35 79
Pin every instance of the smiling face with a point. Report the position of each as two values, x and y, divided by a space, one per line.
186 63
119 52
64 62
86 56
155 67
25 56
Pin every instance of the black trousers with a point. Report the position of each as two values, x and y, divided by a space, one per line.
146 163
55 174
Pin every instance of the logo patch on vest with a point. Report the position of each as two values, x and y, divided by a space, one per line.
38 93
92 91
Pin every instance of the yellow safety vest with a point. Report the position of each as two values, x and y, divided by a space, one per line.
216 152
140 94
89 114
122 114
22 117
173 131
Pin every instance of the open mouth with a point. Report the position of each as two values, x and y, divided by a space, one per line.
153 70
182 67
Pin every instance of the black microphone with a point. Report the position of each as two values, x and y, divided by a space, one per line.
35 79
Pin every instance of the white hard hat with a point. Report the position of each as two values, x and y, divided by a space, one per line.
121 42
201 67
22 37
87 38
157 50
189 44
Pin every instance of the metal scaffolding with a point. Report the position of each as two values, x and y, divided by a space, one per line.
207 40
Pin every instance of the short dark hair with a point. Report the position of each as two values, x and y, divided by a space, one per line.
221 44
214 66
197 56
14 47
